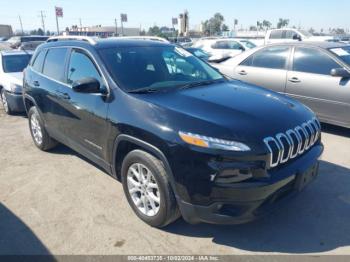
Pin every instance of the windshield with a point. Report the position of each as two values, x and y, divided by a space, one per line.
156 68
343 53
15 63
305 33
248 44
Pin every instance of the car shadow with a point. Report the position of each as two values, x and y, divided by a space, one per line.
316 220
335 130
16 238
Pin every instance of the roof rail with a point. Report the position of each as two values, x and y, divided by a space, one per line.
90 40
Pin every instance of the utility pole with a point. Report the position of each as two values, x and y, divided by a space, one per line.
20 22
81 25
42 15
116 26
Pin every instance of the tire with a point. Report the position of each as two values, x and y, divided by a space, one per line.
5 103
167 210
37 129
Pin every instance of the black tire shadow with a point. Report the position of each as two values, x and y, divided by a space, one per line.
316 220
16 238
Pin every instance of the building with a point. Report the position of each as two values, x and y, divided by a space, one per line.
6 31
102 31
184 24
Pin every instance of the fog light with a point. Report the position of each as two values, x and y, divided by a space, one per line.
229 176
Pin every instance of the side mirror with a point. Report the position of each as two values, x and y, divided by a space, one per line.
340 72
86 85
297 37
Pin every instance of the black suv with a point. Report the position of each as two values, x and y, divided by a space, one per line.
182 138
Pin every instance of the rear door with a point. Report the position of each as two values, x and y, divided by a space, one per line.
46 83
310 81
85 118
266 68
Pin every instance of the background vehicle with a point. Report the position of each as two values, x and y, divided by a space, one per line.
180 136
317 74
182 41
12 64
30 46
199 53
292 35
223 47
16 41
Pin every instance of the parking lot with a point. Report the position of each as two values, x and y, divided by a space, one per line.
59 203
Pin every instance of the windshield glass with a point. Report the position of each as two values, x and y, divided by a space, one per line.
156 67
248 44
343 53
15 63
306 33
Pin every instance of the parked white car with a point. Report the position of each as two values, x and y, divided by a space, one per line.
286 35
224 47
12 64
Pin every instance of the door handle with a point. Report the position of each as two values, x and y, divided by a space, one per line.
294 80
36 83
243 72
63 95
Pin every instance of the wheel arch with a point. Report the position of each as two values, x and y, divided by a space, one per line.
133 143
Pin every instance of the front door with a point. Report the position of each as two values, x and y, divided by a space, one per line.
86 127
310 81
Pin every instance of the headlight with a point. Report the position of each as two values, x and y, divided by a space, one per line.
214 143
16 88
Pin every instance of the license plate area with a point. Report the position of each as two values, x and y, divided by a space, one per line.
303 179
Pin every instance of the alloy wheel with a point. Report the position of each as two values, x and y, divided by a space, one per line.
143 189
36 129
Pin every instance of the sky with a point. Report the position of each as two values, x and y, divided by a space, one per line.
318 14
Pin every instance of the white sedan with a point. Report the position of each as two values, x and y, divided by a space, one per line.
12 64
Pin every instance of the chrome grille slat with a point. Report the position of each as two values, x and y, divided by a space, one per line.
292 143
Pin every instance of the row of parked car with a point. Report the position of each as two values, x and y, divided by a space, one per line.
183 138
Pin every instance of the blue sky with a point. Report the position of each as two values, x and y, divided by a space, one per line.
308 13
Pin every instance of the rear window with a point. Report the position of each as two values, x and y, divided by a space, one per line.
54 63
15 63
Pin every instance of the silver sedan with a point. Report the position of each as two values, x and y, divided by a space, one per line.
317 74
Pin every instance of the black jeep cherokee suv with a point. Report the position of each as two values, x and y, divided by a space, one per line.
182 138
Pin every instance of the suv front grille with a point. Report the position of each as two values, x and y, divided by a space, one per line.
292 143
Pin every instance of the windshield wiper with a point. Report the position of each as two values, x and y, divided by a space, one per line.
202 83
143 90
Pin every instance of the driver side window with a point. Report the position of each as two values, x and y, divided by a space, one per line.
81 66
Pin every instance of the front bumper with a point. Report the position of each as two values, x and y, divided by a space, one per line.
15 101
244 202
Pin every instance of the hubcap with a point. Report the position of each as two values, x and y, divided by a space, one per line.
36 129
4 102
143 189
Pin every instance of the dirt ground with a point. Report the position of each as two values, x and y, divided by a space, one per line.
58 203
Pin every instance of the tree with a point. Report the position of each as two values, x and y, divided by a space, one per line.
253 28
259 25
282 23
266 24
225 28
214 25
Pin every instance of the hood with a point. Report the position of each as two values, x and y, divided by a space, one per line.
231 110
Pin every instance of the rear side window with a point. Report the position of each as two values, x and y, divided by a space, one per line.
277 34
39 61
313 61
54 63
272 58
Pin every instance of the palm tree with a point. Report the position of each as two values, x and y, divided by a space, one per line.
282 23
266 24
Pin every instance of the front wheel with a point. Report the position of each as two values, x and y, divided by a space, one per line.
37 129
147 189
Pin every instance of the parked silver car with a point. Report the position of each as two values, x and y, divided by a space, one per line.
317 74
